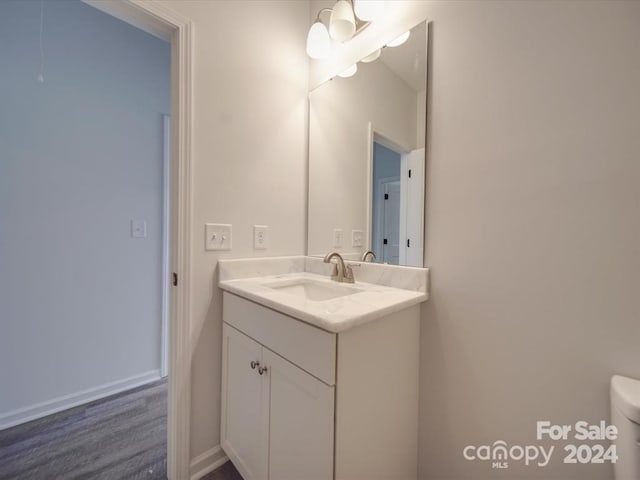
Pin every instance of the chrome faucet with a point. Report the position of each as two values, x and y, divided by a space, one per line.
366 254
344 273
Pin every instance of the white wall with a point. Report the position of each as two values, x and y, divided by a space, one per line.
532 223
80 156
250 156
339 148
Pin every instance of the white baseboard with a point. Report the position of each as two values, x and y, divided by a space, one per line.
39 410
207 462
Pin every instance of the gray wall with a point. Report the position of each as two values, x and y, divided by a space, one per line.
386 163
533 216
80 156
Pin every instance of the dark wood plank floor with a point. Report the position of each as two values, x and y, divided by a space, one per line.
225 472
122 437
116 438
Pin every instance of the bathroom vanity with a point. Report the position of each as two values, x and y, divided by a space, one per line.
320 378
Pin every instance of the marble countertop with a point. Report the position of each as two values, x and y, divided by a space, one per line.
388 289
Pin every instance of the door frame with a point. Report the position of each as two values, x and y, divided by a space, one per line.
157 19
166 236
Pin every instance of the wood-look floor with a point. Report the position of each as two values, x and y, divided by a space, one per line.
118 437
121 437
225 472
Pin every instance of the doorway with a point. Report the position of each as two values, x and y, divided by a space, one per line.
155 18
178 31
388 244
386 203
397 201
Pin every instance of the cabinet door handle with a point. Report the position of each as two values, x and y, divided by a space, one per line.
254 364
262 370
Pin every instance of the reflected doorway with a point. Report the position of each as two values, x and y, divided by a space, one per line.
397 204
386 204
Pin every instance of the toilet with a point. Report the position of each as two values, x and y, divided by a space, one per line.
625 414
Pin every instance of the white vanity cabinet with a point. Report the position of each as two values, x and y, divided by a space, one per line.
277 419
245 403
340 406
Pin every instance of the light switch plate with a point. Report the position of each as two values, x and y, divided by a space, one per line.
337 237
138 228
357 237
217 236
260 237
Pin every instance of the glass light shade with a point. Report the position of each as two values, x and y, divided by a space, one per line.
349 72
368 10
342 24
372 56
400 40
318 41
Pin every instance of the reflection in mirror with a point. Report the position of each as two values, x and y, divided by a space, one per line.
367 157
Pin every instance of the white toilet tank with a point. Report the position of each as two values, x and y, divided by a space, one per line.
625 414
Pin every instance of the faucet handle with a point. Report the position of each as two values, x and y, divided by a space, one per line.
349 277
368 254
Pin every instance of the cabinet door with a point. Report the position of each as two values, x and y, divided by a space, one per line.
301 423
245 404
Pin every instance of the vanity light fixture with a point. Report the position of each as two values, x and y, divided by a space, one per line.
372 56
400 40
368 10
342 23
347 19
349 72
318 41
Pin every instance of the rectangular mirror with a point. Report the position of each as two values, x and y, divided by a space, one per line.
367 156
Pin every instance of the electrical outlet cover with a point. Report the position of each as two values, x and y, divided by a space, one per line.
357 238
337 237
260 237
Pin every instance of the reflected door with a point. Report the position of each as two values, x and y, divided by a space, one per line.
391 223
411 208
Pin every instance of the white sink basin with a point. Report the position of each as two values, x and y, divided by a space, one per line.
314 291
300 287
